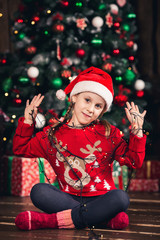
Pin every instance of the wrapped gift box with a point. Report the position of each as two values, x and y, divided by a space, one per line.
120 175
20 174
149 170
144 185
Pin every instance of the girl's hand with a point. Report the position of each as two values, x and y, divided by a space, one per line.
135 118
31 109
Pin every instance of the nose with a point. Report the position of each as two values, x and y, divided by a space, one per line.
90 108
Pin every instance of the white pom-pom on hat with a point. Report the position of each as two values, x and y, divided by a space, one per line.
60 94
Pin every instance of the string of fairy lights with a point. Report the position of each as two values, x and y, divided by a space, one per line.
105 162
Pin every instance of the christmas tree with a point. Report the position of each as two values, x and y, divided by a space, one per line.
54 41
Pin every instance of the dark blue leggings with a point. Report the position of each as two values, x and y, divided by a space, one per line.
86 212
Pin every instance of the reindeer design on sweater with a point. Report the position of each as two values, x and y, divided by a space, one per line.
75 169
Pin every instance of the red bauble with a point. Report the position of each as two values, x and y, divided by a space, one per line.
36 18
20 20
31 50
131 58
17 101
129 43
80 53
58 27
140 93
64 3
120 100
3 61
116 25
116 52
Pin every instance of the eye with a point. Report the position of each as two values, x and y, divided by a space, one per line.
98 106
87 99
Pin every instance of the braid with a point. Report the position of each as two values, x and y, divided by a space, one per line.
106 124
66 116
107 127
57 125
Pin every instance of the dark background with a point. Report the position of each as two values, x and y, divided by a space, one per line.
148 23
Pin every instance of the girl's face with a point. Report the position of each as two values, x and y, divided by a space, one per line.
88 106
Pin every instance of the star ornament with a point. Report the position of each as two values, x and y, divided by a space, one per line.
81 23
109 20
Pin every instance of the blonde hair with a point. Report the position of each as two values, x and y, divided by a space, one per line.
56 126
105 123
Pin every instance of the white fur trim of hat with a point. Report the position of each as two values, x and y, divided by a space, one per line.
95 87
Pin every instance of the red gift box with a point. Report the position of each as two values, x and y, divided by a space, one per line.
144 185
23 173
149 170
120 175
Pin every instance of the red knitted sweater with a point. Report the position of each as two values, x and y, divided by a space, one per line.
81 158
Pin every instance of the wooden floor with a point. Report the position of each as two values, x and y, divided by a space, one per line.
144 215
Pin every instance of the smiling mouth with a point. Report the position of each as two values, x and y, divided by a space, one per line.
86 115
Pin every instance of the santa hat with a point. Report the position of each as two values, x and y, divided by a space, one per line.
90 80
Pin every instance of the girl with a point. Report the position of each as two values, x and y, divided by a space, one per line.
81 150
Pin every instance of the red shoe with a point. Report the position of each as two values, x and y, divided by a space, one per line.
120 221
